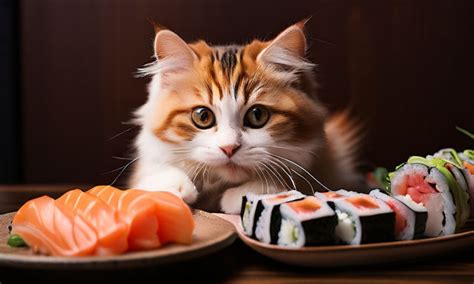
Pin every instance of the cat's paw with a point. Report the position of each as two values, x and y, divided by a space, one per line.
231 201
187 190
173 181
232 198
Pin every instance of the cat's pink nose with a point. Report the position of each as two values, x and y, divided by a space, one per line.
230 150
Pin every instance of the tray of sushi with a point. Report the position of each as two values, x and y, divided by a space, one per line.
424 210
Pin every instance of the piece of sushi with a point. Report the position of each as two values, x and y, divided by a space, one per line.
364 219
306 222
430 182
461 166
467 160
467 156
268 224
250 212
421 214
410 217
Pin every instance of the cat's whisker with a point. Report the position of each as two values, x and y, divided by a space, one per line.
123 132
284 171
266 181
189 167
123 170
282 165
202 166
181 151
302 177
122 158
288 148
279 177
205 175
259 178
303 169
270 176
270 173
197 168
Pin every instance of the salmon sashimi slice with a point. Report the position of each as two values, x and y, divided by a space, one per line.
111 228
139 213
51 228
174 217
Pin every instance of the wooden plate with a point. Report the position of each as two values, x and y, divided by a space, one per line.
350 255
211 234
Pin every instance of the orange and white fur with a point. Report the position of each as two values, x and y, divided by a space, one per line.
221 121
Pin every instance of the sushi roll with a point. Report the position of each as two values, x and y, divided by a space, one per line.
410 217
430 182
421 214
459 166
467 159
364 219
250 212
305 222
268 224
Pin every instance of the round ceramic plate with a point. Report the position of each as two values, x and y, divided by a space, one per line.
210 235
345 255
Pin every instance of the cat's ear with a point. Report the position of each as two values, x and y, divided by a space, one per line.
173 51
287 50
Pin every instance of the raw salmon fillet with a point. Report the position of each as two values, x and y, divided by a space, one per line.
174 217
51 228
110 226
139 213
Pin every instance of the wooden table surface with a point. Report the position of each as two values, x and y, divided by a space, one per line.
239 264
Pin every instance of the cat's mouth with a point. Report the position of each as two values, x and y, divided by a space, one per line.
233 168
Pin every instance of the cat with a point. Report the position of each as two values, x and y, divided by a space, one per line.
221 121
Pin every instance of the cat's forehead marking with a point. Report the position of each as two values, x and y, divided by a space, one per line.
229 61
227 74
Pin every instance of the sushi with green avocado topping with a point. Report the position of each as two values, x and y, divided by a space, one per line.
464 170
364 219
432 183
306 222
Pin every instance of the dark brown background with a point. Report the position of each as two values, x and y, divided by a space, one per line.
406 65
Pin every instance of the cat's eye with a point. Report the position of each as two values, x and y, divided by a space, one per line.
203 117
257 116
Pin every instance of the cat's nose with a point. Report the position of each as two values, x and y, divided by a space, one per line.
230 150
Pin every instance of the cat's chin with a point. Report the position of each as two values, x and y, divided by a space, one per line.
232 173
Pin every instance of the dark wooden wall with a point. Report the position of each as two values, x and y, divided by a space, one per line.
9 93
405 65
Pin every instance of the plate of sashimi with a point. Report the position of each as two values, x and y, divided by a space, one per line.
421 209
105 227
